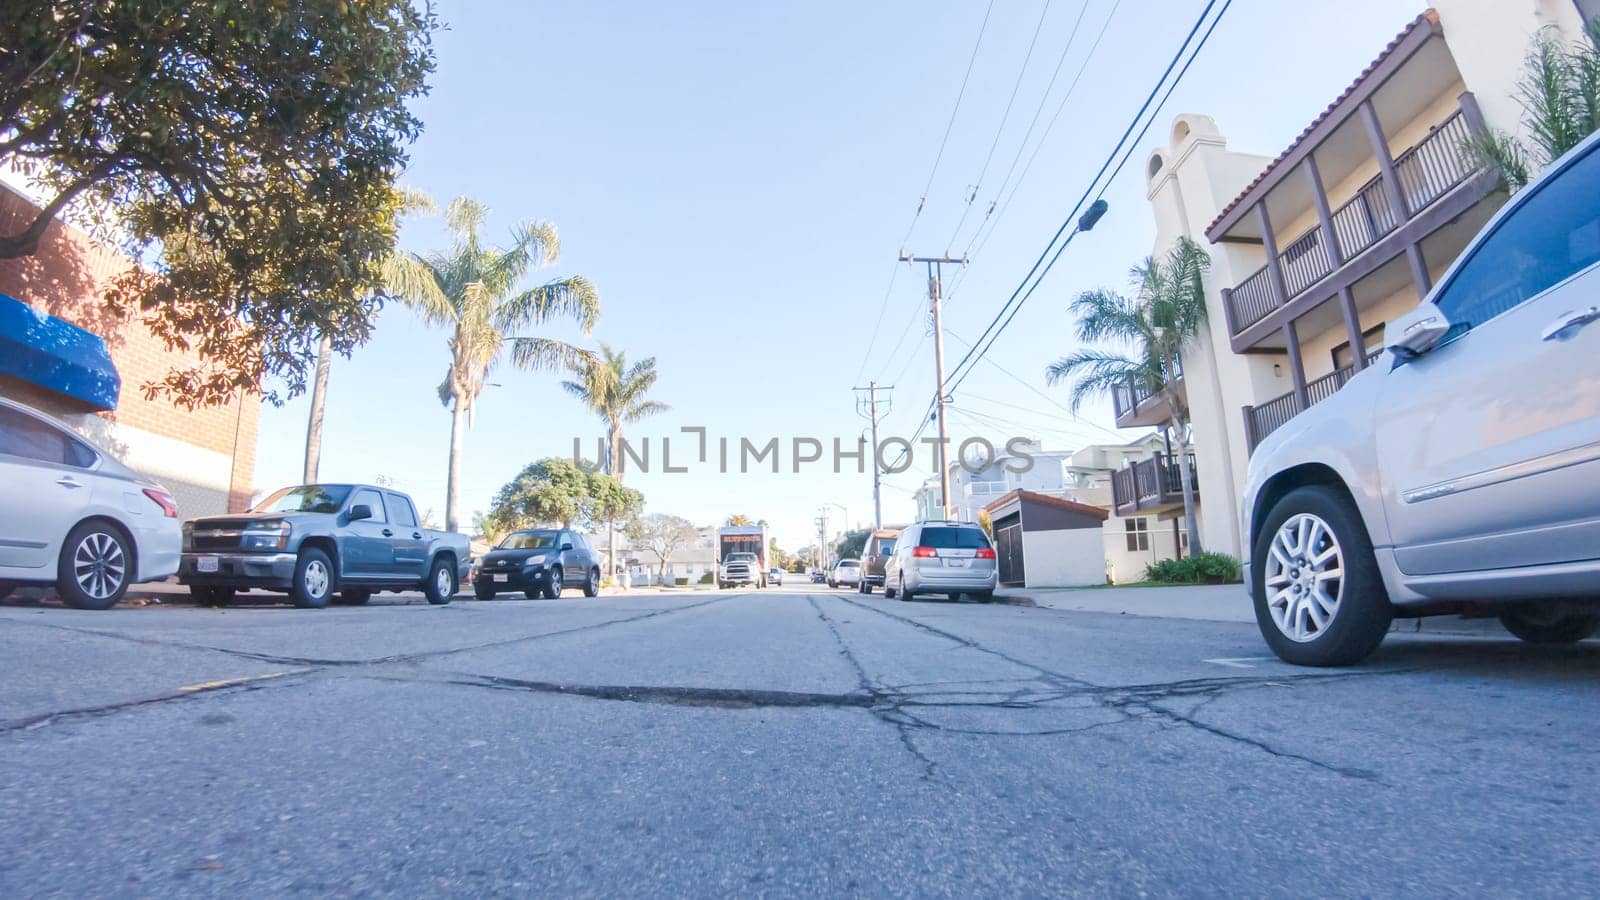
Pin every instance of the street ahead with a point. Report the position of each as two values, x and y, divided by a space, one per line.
790 741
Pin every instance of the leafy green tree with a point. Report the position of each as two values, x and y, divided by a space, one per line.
614 391
609 501
1560 97
557 491
1151 330
663 535
853 544
246 150
472 290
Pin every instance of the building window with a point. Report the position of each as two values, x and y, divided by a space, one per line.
1372 339
1138 533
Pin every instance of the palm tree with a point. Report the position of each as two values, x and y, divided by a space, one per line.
406 200
615 392
472 290
1155 325
1560 97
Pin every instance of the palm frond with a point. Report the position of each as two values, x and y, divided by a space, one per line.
545 354
641 410
1503 155
1095 372
573 297
576 390
415 283
1106 315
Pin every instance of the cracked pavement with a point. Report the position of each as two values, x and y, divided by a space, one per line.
793 741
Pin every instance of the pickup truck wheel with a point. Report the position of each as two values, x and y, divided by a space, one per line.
441 583
1319 597
354 596
591 587
552 588
313 579
204 595
95 566
1541 626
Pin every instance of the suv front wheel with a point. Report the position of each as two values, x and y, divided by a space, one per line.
1319 599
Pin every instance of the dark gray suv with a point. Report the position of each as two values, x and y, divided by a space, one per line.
539 561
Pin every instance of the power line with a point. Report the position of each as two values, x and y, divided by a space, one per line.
971 61
1004 117
1047 398
1013 304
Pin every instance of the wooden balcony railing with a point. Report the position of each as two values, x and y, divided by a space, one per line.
1126 397
1263 420
1426 172
1151 483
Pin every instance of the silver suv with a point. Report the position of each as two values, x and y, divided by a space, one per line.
1461 471
952 558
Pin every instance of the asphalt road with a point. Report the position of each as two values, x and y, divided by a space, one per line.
790 742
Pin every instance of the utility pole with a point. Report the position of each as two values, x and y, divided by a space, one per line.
935 272
871 410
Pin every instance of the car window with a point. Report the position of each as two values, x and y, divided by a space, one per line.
885 547
401 509
1553 235
529 540
951 538
23 435
311 498
372 499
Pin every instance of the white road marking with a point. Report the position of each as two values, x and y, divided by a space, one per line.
1239 662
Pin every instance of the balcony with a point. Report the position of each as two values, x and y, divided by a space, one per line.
1268 417
1426 172
1151 485
1136 406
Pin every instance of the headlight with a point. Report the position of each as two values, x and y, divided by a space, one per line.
536 560
265 536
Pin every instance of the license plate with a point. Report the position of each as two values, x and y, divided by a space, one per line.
956 563
205 564
502 578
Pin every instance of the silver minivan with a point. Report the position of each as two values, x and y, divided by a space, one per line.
951 558
1461 471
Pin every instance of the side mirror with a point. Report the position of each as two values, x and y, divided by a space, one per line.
566 547
1418 331
360 511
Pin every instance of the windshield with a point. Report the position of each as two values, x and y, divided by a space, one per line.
741 557
311 498
849 564
529 540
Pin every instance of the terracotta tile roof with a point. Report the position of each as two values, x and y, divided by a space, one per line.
1428 17
1046 499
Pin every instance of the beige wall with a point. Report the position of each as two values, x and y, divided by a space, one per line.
1489 39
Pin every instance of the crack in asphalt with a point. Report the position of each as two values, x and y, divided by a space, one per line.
238 686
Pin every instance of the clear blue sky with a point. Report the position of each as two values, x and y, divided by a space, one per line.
737 178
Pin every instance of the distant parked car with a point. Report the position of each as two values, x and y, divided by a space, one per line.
539 561
774 575
315 541
846 573
72 516
1462 468
880 546
818 576
951 558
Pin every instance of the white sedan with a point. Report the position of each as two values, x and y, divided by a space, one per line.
846 573
72 516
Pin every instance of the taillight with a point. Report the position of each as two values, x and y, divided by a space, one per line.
985 553
169 507
924 552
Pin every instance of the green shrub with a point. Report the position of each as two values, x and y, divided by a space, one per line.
681 581
707 578
1204 568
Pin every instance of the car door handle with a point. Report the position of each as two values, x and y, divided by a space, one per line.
1572 318
416 535
387 533
67 481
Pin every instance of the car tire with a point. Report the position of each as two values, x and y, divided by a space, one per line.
904 595
95 566
552 588
984 596
1312 537
591 586
6 587
354 596
483 593
441 583
1558 627
314 580
889 593
205 595
864 588
953 596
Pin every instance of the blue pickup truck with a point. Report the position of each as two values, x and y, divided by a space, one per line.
318 542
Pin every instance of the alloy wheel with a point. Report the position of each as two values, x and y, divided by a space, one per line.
99 565
1304 577
316 578
444 582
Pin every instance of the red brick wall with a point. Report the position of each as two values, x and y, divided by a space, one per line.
67 278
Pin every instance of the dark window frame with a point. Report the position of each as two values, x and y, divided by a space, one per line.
1366 341
380 513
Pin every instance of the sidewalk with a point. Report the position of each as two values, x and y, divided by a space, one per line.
1211 603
